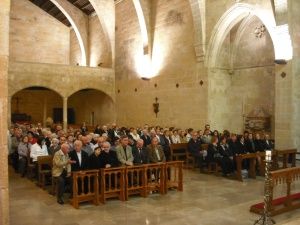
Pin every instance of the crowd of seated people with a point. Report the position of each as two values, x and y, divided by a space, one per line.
112 146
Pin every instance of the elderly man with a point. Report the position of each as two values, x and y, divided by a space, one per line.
80 157
194 147
108 158
86 145
100 141
156 152
124 152
140 153
146 138
61 170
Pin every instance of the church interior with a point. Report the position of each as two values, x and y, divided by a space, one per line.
160 68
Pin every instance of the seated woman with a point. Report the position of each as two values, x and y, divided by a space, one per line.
38 149
94 159
227 156
175 137
242 149
23 151
54 147
213 154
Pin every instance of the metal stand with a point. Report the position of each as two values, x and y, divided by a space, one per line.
265 218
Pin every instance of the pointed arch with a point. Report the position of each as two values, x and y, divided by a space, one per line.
279 34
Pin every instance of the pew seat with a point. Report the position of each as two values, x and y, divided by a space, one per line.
44 169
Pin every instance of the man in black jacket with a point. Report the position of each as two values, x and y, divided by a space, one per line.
194 147
81 157
140 153
81 162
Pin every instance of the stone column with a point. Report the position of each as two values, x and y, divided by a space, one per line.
9 111
65 113
294 26
287 105
4 59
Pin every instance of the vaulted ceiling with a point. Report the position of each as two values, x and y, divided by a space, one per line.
46 5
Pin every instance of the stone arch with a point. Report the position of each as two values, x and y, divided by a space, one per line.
30 96
239 35
99 109
74 91
199 29
234 15
15 91
227 76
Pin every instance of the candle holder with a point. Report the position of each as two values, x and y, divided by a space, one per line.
266 218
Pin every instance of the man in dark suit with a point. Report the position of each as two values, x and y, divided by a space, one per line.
113 133
194 147
140 153
146 138
81 157
268 144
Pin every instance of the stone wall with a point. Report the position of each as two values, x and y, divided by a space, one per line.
4 59
243 78
35 36
36 103
75 52
174 62
98 48
65 80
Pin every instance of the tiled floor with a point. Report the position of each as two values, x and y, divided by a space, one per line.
206 200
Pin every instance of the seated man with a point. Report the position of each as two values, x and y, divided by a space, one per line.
155 151
108 158
194 147
86 147
124 152
80 157
61 170
140 154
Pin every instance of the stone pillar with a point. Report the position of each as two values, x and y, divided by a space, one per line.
9 111
294 27
4 59
65 113
287 95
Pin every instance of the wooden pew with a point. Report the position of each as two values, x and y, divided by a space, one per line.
239 161
284 154
288 202
112 183
44 169
173 176
135 181
155 175
89 187
178 151
31 167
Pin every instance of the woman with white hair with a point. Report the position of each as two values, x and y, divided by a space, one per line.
54 147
